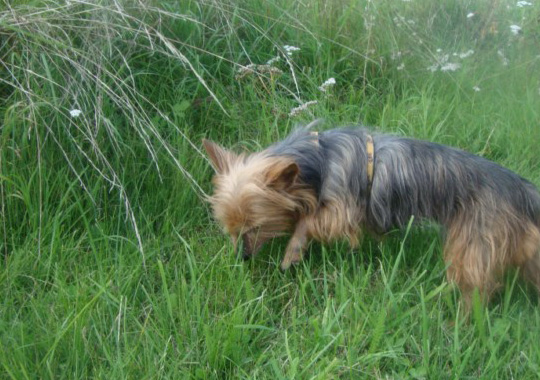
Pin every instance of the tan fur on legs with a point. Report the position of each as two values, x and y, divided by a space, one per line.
531 271
528 255
296 247
335 220
468 269
481 245
476 252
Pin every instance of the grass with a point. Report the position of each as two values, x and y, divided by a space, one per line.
111 264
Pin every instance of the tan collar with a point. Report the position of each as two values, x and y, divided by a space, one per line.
316 134
370 150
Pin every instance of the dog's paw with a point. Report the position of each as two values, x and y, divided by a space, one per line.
291 258
285 265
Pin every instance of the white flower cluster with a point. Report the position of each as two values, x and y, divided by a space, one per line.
399 20
274 60
442 61
450 67
75 113
467 54
289 49
504 60
245 71
515 29
297 110
396 55
327 84
522 4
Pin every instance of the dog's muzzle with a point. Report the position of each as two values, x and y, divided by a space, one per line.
243 248
246 253
248 248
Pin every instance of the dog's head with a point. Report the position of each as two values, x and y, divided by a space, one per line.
255 196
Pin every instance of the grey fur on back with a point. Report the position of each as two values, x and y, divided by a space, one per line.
411 177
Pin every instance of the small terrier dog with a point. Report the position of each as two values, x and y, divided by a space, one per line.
334 184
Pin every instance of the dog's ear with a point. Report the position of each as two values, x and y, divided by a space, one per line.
282 175
221 158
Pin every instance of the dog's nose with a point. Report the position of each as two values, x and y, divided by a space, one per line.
243 249
246 251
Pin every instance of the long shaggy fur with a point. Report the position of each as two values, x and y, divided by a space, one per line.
316 186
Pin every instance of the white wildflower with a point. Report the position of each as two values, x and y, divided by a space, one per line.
450 66
75 113
245 71
327 84
399 19
504 60
476 89
441 62
369 21
522 4
515 29
401 67
396 55
295 111
468 53
273 60
470 15
269 70
290 49
251 69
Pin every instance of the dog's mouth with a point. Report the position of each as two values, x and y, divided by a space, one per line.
250 246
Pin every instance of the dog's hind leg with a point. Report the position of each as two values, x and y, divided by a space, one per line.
475 257
528 255
531 270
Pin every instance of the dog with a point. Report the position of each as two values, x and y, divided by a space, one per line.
339 183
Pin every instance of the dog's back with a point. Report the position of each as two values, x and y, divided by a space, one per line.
430 180
411 177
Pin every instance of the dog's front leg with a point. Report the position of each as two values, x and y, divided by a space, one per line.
297 245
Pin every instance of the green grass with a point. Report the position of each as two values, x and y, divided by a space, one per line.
111 265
